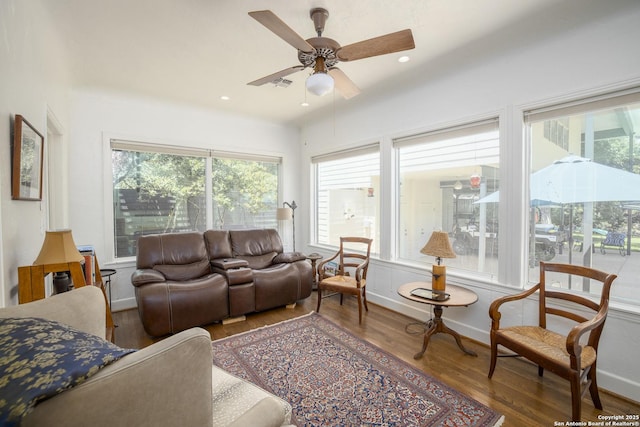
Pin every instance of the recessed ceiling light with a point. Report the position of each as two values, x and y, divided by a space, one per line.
404 59
225 98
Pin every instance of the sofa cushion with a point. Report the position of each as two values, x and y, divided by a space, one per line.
289 257
233 397
170 248
255 242
41 358
182 272
178 256
258 262
218 244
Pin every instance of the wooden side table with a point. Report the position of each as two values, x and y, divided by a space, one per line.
314 258
458 297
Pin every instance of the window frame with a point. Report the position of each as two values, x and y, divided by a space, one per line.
363 149
581 105
435 135
163 147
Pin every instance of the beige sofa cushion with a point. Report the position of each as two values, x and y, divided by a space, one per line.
233 396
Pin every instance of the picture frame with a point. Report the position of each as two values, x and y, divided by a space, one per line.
27 161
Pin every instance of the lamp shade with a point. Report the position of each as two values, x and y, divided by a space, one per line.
438 246
284 214
58 247
319 83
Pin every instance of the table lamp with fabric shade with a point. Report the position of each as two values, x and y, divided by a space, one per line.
59 248
439 247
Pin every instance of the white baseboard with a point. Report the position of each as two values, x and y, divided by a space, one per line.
124 304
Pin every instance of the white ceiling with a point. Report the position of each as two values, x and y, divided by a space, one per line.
195 51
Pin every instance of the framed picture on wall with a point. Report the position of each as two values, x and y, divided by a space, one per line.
28 152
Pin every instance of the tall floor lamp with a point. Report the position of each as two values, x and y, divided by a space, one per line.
288 212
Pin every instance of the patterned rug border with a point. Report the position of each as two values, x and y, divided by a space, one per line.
250 371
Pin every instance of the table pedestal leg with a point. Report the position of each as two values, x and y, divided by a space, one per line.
437 325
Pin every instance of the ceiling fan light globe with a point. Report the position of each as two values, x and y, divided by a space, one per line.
319 83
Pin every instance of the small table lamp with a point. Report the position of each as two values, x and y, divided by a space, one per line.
439 247
59 248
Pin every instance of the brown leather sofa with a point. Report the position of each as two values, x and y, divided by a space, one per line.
192 279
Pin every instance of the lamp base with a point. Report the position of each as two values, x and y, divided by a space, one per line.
61 281
438 278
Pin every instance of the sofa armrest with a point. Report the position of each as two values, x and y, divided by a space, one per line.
83 308
143 276
289 257
228 263
266 413
167 383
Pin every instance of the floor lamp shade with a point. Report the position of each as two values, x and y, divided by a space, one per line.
288 212
284 214
58 247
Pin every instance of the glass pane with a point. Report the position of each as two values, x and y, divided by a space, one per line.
245 194
155 193
348 199
585 192
441 183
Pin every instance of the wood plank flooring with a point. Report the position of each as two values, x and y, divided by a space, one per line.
515 391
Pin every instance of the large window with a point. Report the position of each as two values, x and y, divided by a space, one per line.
348 195
442 177
585 193
158 189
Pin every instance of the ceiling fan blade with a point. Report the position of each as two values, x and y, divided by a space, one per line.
275 76
282 30
394 42
343 84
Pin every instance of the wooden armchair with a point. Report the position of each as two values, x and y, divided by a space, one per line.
351 274
572 356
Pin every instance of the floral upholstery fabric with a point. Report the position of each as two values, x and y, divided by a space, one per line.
40 358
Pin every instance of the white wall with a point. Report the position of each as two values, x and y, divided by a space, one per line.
98 115
583 59
33 81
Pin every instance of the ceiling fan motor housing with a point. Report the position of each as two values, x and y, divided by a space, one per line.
322 47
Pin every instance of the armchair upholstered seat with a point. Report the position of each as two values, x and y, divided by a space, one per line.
571 355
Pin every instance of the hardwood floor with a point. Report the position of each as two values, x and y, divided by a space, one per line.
516 391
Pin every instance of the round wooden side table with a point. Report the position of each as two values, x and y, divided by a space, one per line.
458 297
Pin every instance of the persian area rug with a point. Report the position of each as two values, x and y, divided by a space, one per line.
333 378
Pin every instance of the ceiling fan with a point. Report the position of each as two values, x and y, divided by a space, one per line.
323 53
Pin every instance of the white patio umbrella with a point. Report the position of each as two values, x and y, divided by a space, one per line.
575 179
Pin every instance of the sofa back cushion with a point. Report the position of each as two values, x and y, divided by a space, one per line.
218 244
255 242
258 247
179 256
